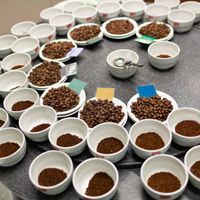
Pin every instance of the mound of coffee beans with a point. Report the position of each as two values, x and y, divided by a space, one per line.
61 99
68 140
56 50
48 73
99 111
155 30
152 108
195 169
119 26
1 123
40 127
22 105
84 33
8 148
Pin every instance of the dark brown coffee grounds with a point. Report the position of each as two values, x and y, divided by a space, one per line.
164 182
40 127
188 128
195 169
164 56
8 148
109 145
68 140
1 123
149 141
51 176
99 184
22 105
17 67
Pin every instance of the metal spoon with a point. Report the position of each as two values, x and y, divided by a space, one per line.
121 62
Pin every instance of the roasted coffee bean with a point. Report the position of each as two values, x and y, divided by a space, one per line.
84 33
99 111
61 99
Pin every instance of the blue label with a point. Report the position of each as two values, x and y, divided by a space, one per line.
147 91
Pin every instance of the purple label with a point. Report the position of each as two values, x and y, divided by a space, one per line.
75 52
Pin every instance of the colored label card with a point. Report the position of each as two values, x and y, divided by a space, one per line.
77 85
75 52
147 91
105 93
69 70
145 39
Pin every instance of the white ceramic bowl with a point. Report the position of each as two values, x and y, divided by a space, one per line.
12 135
5 193
51 159
22 29
164 163
127 54
178 116
48 13
35 116
17 59
156 13
108 10
43 32
27 45
63 22
192 6
22 94
72 5
107 130
191 157
6 42
133 9
172 4
87 169
181 20
4 117
11 81
145 126
163 47
85 14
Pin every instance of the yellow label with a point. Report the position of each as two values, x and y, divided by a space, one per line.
105 93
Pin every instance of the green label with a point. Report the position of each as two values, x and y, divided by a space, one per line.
145 39
77 85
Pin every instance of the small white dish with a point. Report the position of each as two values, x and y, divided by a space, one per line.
27 45
17 59
87 169
22 94
51 159
4 117
71 5
12 135
43 32
72 126
172 4
178 116
161 94
145 126
163 48
191 157
6 42
164 163
35 116
11 81
22 29
63 22
181 20
48 13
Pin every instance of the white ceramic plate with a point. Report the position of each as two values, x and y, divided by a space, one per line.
87 42
120 36
64 59
134 99
82 97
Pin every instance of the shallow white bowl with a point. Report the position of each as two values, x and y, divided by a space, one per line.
145 126
22 29
191 157
178 116
87 169
27 45
48 13
17 59
127 54
164 163
22 94
12 79
73 126
172 4
4 117
72 5
163 47
35 116
181 20
6 42
12 135
51 159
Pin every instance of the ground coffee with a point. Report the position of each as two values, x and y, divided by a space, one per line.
51 176
22 105
1 123
195 169
164 182
99 184
188 128
68 140
8 148
149 141
17 67
40 127
109 145
164 56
